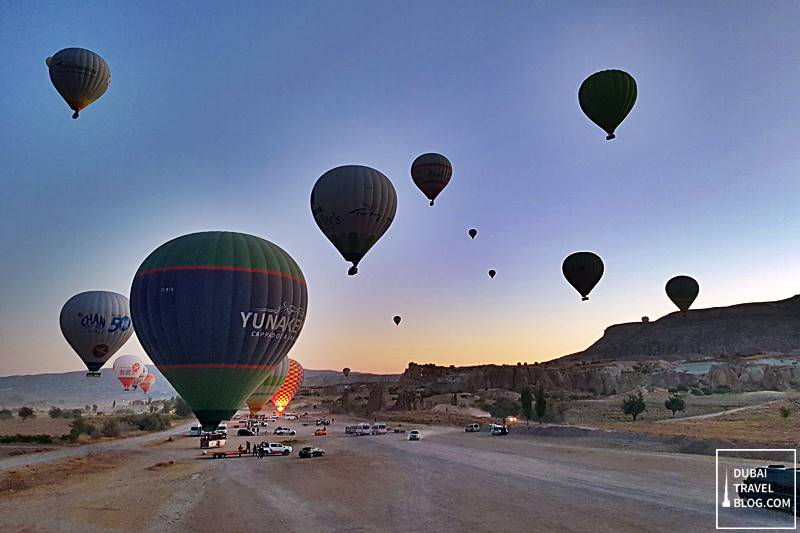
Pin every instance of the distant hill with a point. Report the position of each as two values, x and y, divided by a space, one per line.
736 330
72 389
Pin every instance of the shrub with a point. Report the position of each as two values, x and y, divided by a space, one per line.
672 390
504 407
81 425
5 414
148 421
25 413
785 412
182 408
682 388
54 412
706 391
634 405
675 403
110 428
37 439
696 392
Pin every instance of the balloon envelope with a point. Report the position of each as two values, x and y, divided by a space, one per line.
583 271
80 76
607 97
353 206
682 290
215 311
473 232
96 324
431 174
397 320
292 384
147 382
272 382
128 369
492 274
346 372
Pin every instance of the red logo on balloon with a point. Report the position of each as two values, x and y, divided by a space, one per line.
101 350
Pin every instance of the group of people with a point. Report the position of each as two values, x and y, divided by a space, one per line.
256 450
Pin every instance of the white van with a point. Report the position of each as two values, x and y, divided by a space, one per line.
196 430
363 429
379 428
472 428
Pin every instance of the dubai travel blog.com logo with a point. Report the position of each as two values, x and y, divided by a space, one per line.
756 494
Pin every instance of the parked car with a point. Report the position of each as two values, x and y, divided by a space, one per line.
276 448
414 435
321 431
323 422
472 428
196 430
498 429
291 417
379 428
311 451
363 429
244 432
284 431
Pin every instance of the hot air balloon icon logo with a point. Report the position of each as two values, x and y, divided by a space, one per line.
726 502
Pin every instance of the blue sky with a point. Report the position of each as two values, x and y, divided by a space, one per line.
224 117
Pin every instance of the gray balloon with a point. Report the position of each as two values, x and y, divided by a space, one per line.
353 205
96 324
80 76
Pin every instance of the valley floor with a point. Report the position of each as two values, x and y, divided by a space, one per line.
448 481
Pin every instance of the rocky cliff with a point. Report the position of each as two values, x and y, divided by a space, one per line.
754 346
737 330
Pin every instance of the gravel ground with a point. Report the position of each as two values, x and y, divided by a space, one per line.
448 481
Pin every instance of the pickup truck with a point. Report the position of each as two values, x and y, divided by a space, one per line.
284 431
275 448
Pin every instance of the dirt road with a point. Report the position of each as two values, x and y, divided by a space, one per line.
449 481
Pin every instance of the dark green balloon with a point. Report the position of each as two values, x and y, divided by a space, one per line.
607 97
683 291
583 271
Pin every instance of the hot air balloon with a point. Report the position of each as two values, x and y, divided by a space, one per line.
272 382
96 324
607 97
682 290
492 274
346 372
294 379
215 311
142 374
353 206
128 369
583 270
397 320
147 382
472 233
80 76
431 174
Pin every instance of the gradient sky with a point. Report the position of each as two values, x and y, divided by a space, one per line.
222 117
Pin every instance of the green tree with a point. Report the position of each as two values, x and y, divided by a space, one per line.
94 408
634 405
504 407
526 401
25 413
5 414
182 408
110 428
55 412
541 403
675 403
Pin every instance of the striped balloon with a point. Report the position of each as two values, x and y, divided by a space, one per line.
80 76
353 206
431 174
607 97
268 387
215 311
292 384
